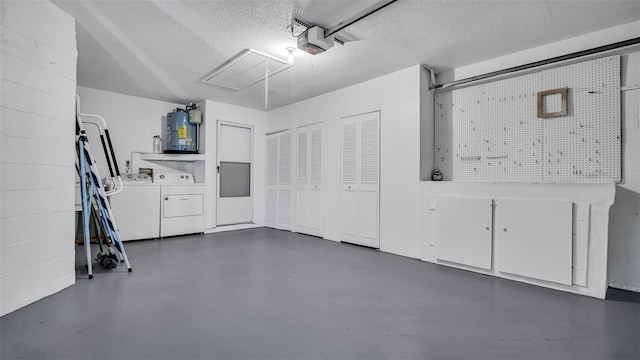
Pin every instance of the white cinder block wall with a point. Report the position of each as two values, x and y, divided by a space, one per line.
37 156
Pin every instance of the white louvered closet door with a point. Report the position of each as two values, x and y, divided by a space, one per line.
360 179
309 218
278 181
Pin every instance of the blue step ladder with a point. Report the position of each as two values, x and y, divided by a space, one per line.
92 191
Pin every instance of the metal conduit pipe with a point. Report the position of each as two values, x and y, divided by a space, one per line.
354 19
575 55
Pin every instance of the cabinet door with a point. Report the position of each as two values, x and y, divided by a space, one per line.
278 189
284 181
309 180
349 193
463 231
315 207
534 239
360 179
302 196
368 176
271 181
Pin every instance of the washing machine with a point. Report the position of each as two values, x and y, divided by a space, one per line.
181 204
136 208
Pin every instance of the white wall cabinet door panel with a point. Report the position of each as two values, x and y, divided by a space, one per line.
463 231
303 156
534 239
302 207
315 212
349 213
360 179
309 180
278 189
271 200
368 216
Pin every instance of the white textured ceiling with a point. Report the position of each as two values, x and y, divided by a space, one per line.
162 49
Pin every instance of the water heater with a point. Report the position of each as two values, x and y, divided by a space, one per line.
181 134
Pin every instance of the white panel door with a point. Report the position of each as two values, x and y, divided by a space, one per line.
534 239
278 189
464 231
235 179
360 196
309 180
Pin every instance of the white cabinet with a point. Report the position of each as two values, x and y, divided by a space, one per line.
309 180
360 179
528 238
464 231
534 239
278 182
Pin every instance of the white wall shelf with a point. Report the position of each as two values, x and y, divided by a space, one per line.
171 157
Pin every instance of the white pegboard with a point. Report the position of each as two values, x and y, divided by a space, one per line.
512 136
492 133
444 135
584 146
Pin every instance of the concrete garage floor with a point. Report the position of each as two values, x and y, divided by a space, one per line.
263 294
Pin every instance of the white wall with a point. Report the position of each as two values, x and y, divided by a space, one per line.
132 122
37 161
624 227
397 96
622 232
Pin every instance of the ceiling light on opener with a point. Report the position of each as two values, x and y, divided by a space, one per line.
290 58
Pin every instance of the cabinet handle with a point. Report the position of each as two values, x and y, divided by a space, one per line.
503 228
166 198
486 227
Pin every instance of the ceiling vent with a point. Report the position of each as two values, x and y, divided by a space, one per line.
245 69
